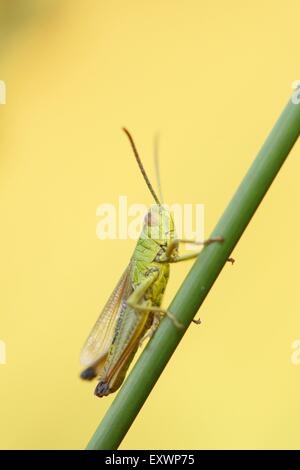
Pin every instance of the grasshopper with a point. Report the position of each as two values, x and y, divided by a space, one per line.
133 311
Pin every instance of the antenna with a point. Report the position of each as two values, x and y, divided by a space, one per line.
156 164
139 162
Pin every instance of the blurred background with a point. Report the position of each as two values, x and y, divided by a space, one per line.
212 78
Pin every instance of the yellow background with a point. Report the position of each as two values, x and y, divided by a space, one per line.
212 77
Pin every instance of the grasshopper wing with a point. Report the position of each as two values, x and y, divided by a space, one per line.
96 347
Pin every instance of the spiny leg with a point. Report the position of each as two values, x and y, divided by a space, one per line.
188 256
173 245
169 255
161 311
170 258
152 329
136 297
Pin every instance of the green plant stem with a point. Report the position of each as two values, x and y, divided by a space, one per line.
199 281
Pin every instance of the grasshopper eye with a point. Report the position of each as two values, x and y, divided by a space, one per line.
147 219
151 219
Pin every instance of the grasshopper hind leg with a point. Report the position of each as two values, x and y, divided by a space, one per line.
152 329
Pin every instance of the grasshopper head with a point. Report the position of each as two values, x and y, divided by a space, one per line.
159 225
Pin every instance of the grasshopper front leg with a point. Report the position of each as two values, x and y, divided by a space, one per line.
174 244
171 258
135 299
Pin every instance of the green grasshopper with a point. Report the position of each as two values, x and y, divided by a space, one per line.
133 311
